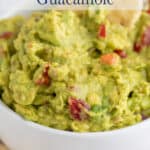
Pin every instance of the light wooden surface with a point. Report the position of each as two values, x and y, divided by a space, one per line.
2 146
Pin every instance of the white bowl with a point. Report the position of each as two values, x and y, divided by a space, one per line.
20 134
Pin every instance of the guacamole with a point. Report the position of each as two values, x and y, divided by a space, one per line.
76 71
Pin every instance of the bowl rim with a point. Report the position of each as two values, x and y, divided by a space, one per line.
50 130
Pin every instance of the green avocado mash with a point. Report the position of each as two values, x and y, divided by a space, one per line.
76 71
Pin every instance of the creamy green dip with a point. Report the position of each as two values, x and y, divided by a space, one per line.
76 71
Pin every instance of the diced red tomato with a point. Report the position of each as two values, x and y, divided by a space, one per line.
121 53
137 47
148 11
102 31
145 41
45 79
146 37
109 59
6 35
78 109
